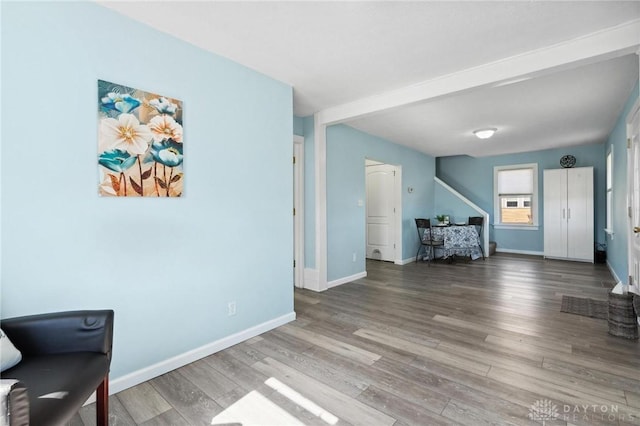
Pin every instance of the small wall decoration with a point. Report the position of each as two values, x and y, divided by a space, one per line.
140 143
568 161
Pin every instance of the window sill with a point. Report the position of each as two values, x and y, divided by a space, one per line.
516 227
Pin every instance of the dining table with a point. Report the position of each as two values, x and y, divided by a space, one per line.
458 240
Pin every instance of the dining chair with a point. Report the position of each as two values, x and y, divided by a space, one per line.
478 222
426 239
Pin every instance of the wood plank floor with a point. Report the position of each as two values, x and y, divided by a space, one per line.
468 343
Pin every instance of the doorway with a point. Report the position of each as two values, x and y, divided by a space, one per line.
383 212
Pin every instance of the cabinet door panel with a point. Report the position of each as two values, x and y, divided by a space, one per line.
580 213
555 223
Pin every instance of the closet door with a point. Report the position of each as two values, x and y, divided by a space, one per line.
555 213
580 213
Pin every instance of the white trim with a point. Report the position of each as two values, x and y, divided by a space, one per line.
485 215
345 280
298 220
398 215
569 258
405 261
516 227
311 279
535 205
147 373
460 196
615 276
609 232
631 260
529 252
320 157
608 191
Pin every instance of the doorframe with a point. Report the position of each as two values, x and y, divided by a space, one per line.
397 205
298 205
635 109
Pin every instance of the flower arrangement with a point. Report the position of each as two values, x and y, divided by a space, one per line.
140 143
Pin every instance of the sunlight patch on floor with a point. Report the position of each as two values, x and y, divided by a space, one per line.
303 402
255 409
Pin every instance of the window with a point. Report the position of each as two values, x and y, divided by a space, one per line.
609 228
516 196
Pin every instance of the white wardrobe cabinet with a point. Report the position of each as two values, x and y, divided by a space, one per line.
568 214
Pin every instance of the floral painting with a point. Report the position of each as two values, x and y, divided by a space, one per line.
140 143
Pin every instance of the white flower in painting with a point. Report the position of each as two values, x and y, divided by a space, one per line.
165 127
125 133
163 105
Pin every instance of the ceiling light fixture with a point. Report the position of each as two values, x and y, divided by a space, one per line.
485 133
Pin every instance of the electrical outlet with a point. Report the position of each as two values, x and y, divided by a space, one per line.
354 256
232 308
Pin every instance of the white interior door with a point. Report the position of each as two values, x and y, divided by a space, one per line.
380 183
633 171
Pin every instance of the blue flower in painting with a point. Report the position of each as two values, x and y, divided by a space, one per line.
163 105
117 160
167 152
122 102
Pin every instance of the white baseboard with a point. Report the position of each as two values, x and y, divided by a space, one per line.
135 378
530 252
405 261
345 280
311 279
615 276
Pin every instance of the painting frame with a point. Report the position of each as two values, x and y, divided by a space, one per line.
140 143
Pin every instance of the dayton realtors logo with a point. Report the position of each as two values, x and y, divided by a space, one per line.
543 410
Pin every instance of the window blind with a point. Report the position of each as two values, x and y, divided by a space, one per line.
515 181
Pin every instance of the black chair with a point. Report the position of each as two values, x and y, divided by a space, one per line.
478 222
426 239
66 356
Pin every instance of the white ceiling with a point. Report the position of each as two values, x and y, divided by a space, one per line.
335 52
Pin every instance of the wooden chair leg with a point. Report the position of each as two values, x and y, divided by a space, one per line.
102 403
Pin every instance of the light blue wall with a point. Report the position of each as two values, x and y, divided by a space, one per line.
617 245
347 150
167 267
298 125
473 178
448 204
